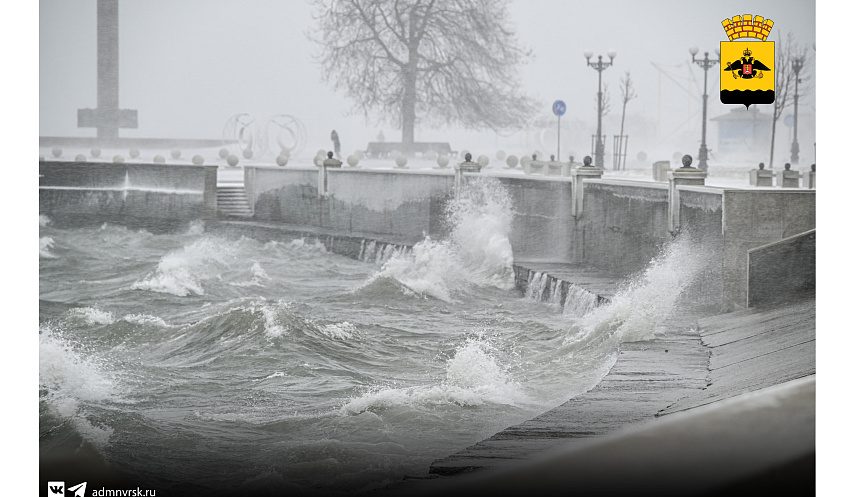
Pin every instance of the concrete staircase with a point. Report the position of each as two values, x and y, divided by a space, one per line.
231 202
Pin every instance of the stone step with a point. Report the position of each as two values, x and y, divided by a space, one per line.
231 201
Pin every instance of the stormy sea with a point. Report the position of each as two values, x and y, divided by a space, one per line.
207 362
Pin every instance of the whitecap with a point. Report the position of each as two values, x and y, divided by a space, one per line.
145 319
46 243
473 377
181 272
259 276
340 331
196 227
69 382
92 315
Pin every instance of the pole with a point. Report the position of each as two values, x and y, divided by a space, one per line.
599 147
794 147
599 66
559 138
705 63
704 152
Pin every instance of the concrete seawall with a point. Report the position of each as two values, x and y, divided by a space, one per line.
542 227
152 196
405 205
623 225
782 270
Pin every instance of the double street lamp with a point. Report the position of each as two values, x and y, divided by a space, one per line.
705 63
797 62
599 66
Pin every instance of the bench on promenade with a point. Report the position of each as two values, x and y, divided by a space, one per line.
380 150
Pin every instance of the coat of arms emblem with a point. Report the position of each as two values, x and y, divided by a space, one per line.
747 61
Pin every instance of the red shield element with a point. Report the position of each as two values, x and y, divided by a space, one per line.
746 68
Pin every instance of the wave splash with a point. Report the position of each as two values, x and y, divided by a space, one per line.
477 251
46 243
69 382
474 376
181 273
635 311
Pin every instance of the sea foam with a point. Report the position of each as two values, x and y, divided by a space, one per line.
46 243
69 382
473 377
183 272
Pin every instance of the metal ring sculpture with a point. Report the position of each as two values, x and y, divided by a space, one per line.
285 135
240 131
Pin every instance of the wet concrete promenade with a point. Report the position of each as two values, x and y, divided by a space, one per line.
711 405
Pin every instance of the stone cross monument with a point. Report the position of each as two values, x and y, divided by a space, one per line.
107 117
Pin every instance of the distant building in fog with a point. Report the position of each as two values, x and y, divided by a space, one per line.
744 134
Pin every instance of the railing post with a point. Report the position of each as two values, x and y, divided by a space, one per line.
812 177
322 172
760 176
536 166
685 175
587 170
789 178
464 167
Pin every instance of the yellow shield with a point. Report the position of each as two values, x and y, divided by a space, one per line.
747 72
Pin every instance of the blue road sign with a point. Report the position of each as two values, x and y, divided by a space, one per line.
559 108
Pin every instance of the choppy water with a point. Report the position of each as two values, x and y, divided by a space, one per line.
222 364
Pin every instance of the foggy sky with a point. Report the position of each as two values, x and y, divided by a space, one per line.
188 66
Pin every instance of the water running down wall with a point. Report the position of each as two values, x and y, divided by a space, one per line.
623 226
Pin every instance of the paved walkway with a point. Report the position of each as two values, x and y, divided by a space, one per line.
712 406
648 376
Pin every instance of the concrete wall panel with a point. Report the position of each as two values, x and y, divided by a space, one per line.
783 271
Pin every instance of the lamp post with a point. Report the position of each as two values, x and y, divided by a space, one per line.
599 66
797 62
705 63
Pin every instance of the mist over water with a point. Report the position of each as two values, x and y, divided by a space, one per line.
235 365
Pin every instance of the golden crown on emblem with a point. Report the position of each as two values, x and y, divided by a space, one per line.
747 26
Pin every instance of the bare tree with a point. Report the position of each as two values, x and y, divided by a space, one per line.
450 61
785 80
605 100
626 87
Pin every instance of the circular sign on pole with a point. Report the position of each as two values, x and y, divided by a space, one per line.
559 108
